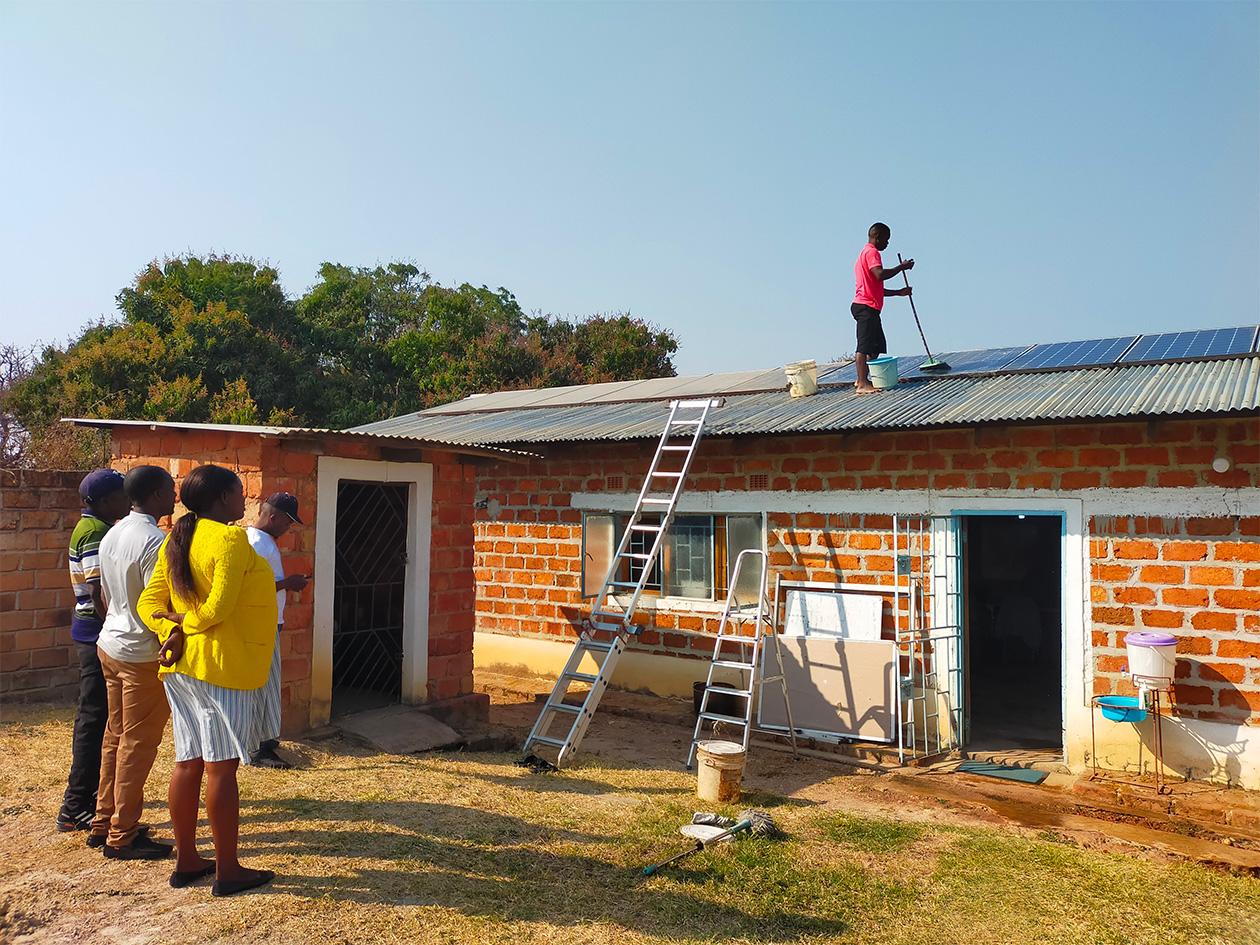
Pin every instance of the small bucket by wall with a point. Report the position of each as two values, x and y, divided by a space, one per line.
883 372
721 768
803 376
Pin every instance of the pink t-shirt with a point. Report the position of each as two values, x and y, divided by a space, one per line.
870 291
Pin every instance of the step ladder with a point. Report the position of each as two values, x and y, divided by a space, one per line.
745 660
629 573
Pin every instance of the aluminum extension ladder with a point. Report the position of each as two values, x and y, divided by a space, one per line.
747 658
659 496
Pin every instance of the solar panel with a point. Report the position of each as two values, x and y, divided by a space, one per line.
1072 354
1187 345
977 361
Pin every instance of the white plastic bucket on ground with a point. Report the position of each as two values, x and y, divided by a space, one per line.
1151 655
721 768
803 376
883 372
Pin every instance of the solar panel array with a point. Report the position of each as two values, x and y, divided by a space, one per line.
1097 352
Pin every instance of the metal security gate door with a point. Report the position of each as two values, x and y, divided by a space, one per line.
368 590
928 618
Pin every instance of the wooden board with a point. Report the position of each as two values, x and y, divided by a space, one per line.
837 687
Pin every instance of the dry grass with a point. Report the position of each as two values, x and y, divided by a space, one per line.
460 848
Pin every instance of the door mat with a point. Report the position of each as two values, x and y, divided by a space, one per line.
1005 772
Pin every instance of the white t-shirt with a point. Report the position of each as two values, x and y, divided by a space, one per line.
266 546
128 554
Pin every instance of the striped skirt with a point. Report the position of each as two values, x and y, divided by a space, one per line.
212 722
269 701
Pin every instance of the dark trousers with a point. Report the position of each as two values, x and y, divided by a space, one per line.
89 729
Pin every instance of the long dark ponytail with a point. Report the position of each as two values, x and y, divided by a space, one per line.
200 490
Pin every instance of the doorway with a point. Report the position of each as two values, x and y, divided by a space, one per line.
1013 606
369 595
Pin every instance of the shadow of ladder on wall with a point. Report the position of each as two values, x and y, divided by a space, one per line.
747 658
659 496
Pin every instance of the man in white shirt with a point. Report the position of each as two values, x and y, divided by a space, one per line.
128 651
276 516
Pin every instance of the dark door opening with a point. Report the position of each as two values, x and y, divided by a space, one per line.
1014 628
368 590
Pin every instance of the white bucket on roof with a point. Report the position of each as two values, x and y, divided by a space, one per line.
803 376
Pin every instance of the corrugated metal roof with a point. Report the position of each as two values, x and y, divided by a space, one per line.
401 440
1230 385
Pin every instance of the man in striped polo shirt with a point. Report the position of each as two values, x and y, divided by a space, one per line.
104 502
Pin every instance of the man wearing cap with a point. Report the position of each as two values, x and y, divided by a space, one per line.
277 514
104 502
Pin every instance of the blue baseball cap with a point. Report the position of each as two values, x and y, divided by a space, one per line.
100 483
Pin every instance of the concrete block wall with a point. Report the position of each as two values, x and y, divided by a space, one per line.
38 512
528 535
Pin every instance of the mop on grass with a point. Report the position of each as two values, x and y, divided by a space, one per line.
707 829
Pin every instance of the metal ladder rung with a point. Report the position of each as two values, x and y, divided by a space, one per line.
564 707
733 664
579 677
645 528
671 475
639 557
594 645
677 449
622 584
669 501
554 742
691 423
618 618
718 717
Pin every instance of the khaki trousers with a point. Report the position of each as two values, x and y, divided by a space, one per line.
137 718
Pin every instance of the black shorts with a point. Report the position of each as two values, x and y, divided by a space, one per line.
870 330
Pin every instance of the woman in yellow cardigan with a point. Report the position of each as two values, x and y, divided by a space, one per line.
212 603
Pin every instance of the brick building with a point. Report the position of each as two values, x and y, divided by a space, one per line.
1090 494
388 539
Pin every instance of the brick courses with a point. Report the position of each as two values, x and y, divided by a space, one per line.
1197 577
38 510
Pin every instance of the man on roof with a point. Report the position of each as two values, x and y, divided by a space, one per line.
868 300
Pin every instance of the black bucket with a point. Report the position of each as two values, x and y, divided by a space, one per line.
719 703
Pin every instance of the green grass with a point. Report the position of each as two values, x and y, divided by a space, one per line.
469 848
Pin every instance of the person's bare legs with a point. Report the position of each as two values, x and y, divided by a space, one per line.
863 385
223 807
185 801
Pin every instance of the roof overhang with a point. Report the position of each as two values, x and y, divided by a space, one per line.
392 441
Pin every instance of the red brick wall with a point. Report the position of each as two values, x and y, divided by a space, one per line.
1198 578
528 537
38 511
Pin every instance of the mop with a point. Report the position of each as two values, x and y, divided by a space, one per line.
931 365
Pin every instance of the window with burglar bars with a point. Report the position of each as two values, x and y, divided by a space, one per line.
696 557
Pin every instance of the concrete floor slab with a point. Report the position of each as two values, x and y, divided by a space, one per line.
401 730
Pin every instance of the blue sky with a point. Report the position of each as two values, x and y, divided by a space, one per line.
1058 170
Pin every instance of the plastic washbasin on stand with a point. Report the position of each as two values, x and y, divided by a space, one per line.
1122 708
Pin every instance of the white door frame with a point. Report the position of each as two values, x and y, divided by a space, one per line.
331 471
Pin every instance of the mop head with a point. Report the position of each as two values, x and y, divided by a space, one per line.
762 824
933 366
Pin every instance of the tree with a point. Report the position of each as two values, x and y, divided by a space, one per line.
216 339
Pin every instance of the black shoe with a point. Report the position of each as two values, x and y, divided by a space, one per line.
180 880
97 840
141 848
252 880
266 757
68 823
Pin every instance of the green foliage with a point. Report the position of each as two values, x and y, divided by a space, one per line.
216 339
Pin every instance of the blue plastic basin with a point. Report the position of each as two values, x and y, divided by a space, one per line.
1122 709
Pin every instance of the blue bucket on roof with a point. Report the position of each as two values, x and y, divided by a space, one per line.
1122 709
883 372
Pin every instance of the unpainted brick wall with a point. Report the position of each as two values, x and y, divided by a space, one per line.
38 512
1197 578
528 537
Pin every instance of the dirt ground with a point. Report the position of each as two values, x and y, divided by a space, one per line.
53 889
